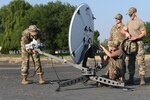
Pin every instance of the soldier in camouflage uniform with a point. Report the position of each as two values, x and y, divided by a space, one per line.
116 34
27 36
116 61
136 31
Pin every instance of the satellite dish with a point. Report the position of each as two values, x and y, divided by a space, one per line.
80 32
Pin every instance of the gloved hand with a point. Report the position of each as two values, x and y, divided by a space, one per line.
34 52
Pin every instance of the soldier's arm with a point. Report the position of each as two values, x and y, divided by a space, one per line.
111 38
142 32
124 31
108 53
24 40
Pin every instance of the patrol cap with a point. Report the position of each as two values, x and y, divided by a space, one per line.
119 16
115 43
33 29
132 10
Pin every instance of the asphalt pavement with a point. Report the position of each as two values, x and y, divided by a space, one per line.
11 89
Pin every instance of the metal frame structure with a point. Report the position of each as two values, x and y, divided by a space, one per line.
80 46
87 74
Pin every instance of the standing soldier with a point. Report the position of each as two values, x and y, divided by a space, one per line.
27 36
136 31
116 34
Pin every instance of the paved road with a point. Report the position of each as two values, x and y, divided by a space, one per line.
11 89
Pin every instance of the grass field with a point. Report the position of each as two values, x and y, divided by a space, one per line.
17 58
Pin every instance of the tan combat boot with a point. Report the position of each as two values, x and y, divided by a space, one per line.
142 82
41 80
24 80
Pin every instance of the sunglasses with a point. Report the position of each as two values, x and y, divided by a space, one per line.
130 15
34 36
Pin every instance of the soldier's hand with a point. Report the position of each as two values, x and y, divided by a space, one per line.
133 38
28 50
128 36
102 46
34 52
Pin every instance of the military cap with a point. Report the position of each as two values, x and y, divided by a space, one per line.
132 10
115 43
33 29
119 16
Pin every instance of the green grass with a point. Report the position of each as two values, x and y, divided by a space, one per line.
10 55
19 55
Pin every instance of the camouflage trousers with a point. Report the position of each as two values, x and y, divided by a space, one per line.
25 63
140 56
115 72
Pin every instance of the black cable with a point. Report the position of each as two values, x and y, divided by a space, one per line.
34 67
55 71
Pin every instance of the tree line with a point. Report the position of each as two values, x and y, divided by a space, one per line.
52 18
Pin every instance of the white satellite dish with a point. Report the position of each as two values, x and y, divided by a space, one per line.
80 42
80 32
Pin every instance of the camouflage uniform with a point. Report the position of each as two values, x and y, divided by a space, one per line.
136 30
116 34
27 36
134 27
116 64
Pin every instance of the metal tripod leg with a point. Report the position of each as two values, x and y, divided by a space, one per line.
107 81
72 82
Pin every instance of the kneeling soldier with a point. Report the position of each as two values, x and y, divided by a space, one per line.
116 61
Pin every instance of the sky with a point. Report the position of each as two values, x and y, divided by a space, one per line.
104 11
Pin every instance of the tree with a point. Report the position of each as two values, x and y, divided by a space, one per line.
147 38
95 37
11 16
0 25
64 22
53 19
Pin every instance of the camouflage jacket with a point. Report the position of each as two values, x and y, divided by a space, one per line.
27 38
116 34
